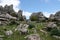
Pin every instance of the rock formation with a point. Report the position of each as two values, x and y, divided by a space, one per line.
51 17
51 24
7 13
38 16
8 32
57 16
23 28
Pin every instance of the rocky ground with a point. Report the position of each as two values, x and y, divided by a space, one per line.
15 26
13 34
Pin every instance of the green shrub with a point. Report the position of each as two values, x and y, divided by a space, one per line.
12 22
48 29
31 26
55 31
33 18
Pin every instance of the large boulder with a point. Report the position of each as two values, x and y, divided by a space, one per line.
57 16
8 33
51 24
7 13
51 17
10 17
37 16
22 28
33 37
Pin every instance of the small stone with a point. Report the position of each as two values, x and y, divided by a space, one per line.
8 32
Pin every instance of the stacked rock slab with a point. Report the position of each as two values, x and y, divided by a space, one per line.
7 13
55 17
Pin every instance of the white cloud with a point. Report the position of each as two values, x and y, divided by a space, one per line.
15 6
27 14
47 14
9 2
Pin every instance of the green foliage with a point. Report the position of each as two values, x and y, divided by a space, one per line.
13 14
31 26
48 29
12 22
33 18
55 31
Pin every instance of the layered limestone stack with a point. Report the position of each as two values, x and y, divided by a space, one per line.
57 16
7 13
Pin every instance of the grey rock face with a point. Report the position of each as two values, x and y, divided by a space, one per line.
24 18
51 24
8 33
51 17
57 15
33 37
39 16
7 13
19 14
9 16
8 9
22 28
1 8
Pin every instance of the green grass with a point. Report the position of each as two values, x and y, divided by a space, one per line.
17 36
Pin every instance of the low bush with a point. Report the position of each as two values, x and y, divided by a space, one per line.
31 26
55 31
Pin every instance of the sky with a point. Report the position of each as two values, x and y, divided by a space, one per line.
29 6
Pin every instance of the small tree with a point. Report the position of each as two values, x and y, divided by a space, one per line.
33 18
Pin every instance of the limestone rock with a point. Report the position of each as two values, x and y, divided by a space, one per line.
8 32
22 28
51 17
39 16
51 24
33 37
57 16
19 14
10 17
